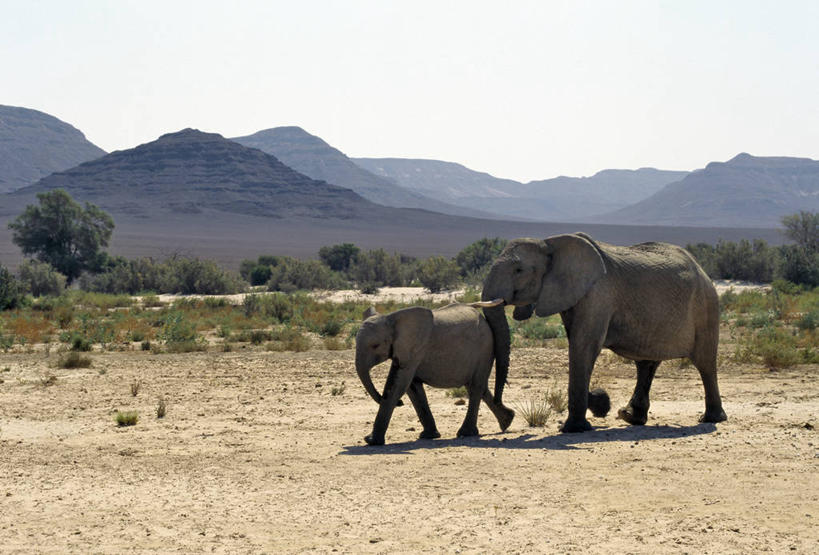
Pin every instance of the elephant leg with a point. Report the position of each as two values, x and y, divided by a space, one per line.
636 412
503 414
419 402
705 359
398 380
584 347
470 424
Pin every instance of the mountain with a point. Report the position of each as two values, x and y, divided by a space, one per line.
558 199
315 158
190 172
200 194
748 191
34 144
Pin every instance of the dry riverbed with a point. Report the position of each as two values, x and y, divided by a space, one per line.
263 452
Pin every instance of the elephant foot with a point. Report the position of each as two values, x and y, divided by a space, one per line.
599 402
505 418
573 426
716 415
373 440
429 434
633 416
467 431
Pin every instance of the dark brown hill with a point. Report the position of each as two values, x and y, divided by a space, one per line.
190 172
746 191
34 144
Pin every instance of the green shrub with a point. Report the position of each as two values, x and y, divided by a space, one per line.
79 342
40 278
809 321
339 257
376 268
476 258
178 333
437 273
331 328
539 328
74 359
457 392
292 274
127 418
190 276
11 290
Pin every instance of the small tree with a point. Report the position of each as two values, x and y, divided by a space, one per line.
11 292
339 257
475 257
63 233
437 273
803 228
40 278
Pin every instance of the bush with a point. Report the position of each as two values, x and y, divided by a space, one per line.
127 418
74 359
476 258
437 273
190 276
799 265
292 274
11 291
40 278
376 268
339 257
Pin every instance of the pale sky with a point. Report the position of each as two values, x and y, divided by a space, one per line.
525 90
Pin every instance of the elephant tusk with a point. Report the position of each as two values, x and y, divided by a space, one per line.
487 304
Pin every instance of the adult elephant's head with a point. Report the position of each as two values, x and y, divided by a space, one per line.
543 276
402 336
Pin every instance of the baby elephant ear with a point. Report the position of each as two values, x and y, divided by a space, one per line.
369 312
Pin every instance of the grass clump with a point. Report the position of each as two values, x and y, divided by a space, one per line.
334 344
458 392
535 412
557 400
135 387
127 418
73 359
161 408
338 389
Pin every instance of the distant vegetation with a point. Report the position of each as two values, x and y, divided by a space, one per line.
759 262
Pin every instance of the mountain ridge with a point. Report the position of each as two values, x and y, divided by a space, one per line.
747 190
314 157
34 144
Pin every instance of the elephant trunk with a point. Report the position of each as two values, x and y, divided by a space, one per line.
363 370
496 318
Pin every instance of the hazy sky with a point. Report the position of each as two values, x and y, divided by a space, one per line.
526 90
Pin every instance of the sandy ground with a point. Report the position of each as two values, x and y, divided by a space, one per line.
256 455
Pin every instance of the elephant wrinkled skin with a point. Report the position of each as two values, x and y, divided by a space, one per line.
447 347
648 302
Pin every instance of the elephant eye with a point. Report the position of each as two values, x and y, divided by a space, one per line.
518 270
375 346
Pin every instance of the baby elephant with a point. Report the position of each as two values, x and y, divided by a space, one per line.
447 347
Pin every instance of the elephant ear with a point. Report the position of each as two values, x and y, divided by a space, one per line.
523 312
412 330
573 265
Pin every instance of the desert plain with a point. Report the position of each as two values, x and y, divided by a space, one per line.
263 452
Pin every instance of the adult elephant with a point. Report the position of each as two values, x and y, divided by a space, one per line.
648 302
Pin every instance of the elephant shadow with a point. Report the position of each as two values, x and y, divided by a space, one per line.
528 441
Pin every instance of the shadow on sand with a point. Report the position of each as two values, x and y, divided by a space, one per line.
530 441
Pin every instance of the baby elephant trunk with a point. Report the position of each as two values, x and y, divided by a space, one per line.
363 370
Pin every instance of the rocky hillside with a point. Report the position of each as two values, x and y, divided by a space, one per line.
313 157
560 199
746 191
189 172
34 145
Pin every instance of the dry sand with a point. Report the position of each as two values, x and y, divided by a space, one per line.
256 455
